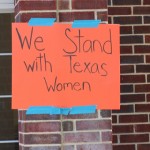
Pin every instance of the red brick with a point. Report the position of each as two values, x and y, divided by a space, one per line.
20 147
114 139
127 69
143 146
147 58
124 109
141 29
142 128
132 59
119 10
126 88
142 49
132 78
21 138
19 126
141 10
142 108
94 147
126 29
67 126
86 4
128 20
125 49
132 98
133 118
146 2
132 39
127 2
102 16
35 5
63 4
82 116
148 97
109 20
147 38
81 137
122 129
106 136
134 138
148 78
71 16
105 113
142 68
109 2
93 125
142 88
146 19
42 127
42 139
114 119
25 17
123 147
20 116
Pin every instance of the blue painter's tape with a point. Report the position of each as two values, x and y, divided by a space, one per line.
86 23
83 110
43 110
41 21
60 111
65 111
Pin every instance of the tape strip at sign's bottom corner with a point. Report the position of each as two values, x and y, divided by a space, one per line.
61 111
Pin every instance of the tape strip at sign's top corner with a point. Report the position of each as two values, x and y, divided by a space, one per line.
63 66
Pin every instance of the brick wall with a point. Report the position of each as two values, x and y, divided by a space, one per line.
72 132
63 10
131 125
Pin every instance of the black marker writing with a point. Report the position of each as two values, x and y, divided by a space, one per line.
39 64
29 40
57 86
86 67
82 44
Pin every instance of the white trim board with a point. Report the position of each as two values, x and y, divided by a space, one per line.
6 1
9 141
6 8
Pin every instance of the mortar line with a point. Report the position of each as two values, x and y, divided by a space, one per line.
61 132
57 10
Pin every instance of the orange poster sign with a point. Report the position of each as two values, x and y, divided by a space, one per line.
64 66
